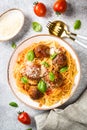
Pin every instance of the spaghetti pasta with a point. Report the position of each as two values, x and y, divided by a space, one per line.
53 94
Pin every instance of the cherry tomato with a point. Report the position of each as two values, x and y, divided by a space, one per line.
39 9
24 118
60 6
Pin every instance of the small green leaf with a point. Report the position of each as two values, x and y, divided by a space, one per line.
53 56
36 27
45 64
64 69
29 129
24 80
13 104
42 86
77 24
13 45
51 76
30 55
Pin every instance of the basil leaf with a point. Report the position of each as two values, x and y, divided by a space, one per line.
42 86
30 55
13 104
45 64
51 76
24 80
29 129
36 27
13 45
77 24
64 69
53 56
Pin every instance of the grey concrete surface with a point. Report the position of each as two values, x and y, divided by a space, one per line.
76 10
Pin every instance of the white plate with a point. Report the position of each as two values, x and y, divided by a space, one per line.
24 98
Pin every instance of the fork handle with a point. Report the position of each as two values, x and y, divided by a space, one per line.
79 36
80 43
82 37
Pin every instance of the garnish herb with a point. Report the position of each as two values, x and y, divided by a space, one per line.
36 27
13 45
64 69
45 64
53 56
42 86
30 55
24 80
51 76
29 129
77 24
13 104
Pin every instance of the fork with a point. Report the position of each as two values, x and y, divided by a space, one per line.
60 29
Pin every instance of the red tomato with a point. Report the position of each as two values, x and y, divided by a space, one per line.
60 6
24 118
39 9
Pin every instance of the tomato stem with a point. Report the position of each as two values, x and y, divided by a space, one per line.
20 112
58 13
35 3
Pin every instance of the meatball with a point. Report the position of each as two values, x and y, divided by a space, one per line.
34 93
32 70
60 60
42 51
58 81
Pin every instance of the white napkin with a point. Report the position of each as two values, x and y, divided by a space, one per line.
73 117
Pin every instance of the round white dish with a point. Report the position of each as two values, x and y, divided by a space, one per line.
26 99
11 23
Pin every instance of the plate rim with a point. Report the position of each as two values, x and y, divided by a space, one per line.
40 108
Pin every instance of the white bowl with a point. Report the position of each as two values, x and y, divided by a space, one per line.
11 22
26 99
